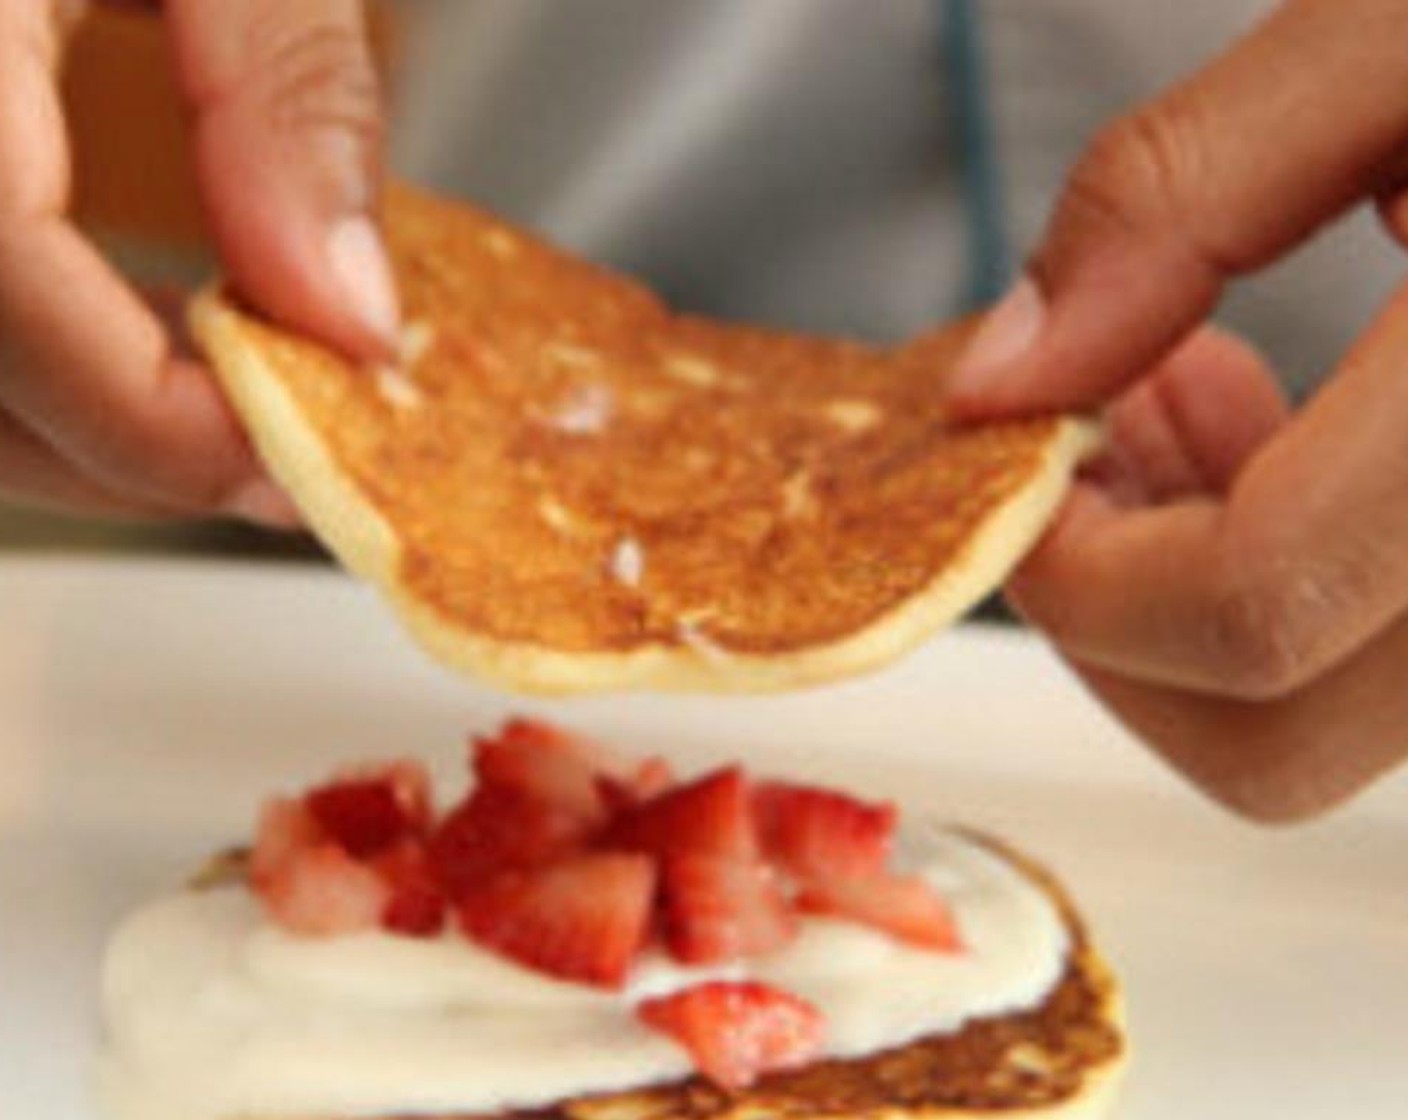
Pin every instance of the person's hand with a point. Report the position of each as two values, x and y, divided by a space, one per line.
98 411
1232 580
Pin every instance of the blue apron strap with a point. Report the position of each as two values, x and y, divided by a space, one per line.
989 251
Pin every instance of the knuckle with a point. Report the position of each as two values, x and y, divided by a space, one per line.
1264 800
1118 179
1266 763
317 76
1260 633
1145 174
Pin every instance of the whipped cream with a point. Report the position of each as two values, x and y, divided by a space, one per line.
212 1012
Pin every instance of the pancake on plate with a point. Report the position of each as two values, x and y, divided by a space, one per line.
586 937
563 485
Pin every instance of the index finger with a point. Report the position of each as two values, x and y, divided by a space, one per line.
1256 595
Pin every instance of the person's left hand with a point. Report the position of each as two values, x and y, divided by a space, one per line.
1232 580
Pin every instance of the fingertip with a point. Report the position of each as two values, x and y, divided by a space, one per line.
1036 352
330 280
359 260
1222 400
1048 575
261 502
991 362
288 131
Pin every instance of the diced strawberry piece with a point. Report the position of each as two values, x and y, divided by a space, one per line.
495 830
736 1032
321 891
904 906
285 828
414 911
363 815
544 763
649 778
616 797
569 770
816 833
719 909
409 781
407 861
709 816
652 777
417 905
583 919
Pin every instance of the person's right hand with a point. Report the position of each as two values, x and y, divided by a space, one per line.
98 410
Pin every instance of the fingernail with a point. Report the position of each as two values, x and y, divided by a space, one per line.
263 503
1008 330
361 265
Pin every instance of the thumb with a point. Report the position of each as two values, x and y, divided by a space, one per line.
287 133
1218 177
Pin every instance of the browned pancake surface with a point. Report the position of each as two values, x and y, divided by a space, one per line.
569 465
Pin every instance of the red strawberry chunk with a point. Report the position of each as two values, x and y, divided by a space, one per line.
540 762
363 815
495 830
817 833
409 782
565 857
414 911
321 891
651 777
736 1032
584 918
718 909
628 789
709 816
417 905
904 906
285 828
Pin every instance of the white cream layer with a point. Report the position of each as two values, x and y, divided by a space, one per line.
212 1013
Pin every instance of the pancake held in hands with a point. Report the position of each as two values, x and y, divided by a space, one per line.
566 486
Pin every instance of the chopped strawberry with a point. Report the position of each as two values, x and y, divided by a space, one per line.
321 891
719 909
568 859
363 815
652 777
541 762
648 779
417 904
414 910
285 828
709 816
498 829
583 918
409 781
904 906
818 833
736 1032
566 770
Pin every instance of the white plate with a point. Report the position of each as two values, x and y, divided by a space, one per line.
145 708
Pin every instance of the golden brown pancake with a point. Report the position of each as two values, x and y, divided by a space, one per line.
564 485
1059 1060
